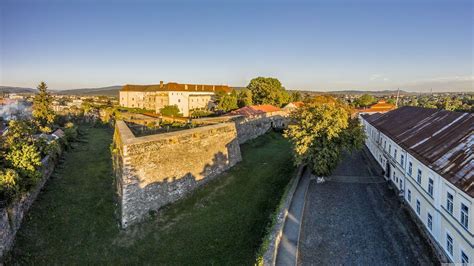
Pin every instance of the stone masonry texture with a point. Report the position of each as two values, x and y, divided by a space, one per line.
156 170
160 169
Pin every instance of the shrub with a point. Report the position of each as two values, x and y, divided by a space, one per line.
170 110
9 184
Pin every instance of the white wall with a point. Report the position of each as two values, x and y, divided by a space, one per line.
442 221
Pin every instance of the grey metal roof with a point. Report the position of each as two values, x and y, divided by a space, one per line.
440 139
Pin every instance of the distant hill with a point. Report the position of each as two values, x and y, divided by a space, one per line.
8 89
103 91
358 92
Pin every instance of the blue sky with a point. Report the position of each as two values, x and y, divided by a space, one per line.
319 45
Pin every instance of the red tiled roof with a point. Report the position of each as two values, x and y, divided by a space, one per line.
297 104
172 86
254 110
381 106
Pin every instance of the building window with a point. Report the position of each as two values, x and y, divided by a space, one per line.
449 244
430 222
449 203
464 258
179 100
418 207
464 216
409 195
390 149
430 187
395 154
418 177
402 159
133 99
384 144
410 168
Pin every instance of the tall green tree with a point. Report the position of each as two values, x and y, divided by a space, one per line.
228 103
366 100
322 132
268 91
42 108
244 98
296 96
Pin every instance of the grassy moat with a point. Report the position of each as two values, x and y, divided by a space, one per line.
73 219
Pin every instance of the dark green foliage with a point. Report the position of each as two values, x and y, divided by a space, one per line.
227 103
296 97
365 100
42 108
322 131
268 91
244 98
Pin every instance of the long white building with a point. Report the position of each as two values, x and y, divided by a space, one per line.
428 155
187 97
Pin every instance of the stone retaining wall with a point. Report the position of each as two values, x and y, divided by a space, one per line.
251 127
155 170
12 216
276 232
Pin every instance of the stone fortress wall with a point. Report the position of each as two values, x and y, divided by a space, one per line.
156 170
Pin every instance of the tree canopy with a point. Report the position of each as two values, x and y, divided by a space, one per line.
42 108
227 102
322 131
268 91
366 100
244 98
170 110
296 96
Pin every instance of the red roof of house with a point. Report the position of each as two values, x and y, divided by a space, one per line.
379 107
255 110
173 86
297 104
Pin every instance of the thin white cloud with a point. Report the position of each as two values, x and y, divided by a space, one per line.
378 77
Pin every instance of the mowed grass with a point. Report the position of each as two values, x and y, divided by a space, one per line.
73 220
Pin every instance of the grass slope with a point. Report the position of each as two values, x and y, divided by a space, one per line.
73 220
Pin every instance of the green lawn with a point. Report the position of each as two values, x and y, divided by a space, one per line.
74 220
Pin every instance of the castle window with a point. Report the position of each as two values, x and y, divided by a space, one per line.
449 244
464 215
449 202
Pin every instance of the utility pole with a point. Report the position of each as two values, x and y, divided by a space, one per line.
398 94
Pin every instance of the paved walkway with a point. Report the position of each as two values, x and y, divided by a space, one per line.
286 254
354 218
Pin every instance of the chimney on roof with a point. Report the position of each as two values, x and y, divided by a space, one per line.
161 84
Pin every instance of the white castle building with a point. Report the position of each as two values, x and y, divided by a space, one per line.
428 155
186 97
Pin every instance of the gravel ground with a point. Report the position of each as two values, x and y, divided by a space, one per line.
354 218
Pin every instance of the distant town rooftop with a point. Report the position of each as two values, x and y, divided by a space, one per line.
380 107
172 86
254 110
440 139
